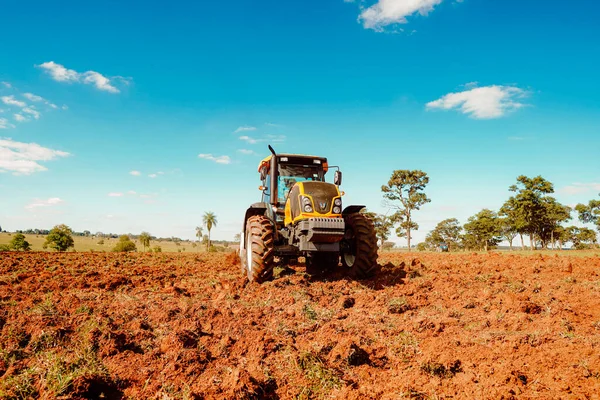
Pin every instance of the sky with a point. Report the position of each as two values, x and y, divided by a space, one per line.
142 115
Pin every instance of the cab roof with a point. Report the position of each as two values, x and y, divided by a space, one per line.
265 161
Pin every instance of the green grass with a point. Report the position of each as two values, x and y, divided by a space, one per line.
91 244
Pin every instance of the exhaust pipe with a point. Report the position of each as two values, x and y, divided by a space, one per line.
274 172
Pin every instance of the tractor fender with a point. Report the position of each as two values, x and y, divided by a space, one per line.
260 208
352 210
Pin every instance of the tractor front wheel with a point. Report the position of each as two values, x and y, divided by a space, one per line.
359 247
259 249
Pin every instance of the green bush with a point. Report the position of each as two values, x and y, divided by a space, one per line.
157 249
60 238
4 247
18 242
124 245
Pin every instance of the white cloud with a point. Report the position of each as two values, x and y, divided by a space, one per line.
578 188
4 124
245 151
483 102
44 203
20 118
10 101
64 107
276 138
32 112
6 84
131 192
135 173
245 129
218 160
37 99
152 176
33 97
388 12
115 194
100 81
61 74
22 158
249 139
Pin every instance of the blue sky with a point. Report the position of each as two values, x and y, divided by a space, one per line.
188 94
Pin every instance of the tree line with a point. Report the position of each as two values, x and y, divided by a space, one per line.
531 211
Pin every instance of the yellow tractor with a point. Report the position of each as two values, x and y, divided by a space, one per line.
301 215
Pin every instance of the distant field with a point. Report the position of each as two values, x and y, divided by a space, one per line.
83 243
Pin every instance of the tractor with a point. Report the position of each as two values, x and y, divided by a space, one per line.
301 215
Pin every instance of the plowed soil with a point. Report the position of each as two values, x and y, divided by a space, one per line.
431 326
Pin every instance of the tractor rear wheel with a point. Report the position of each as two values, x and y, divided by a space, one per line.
359 247
259 249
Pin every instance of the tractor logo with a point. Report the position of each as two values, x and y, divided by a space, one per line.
323 205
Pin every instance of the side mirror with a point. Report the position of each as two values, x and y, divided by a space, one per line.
337 178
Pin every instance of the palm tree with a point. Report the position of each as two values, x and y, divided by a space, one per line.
145 239
210 220
199 233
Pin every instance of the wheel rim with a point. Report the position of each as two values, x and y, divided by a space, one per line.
349 259
249 252
348 248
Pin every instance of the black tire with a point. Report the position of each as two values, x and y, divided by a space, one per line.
259 249
359 247
317 263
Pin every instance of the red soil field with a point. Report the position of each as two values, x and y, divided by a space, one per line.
176 326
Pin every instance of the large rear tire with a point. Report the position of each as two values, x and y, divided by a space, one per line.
259 249
359 247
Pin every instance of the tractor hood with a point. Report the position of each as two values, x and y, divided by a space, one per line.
312 199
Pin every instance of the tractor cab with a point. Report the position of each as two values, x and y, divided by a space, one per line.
295 186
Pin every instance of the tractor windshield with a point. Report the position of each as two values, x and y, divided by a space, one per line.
290 174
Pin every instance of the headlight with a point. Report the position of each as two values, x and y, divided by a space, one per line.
337 210
338 202
307 204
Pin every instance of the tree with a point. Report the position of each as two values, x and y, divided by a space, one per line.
589 213
237 237
18 242
528 206
199 232
60 238
124 244
406 187
210 220
581 237
448 232
145 239
508 230
483 229
382 224
554 214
